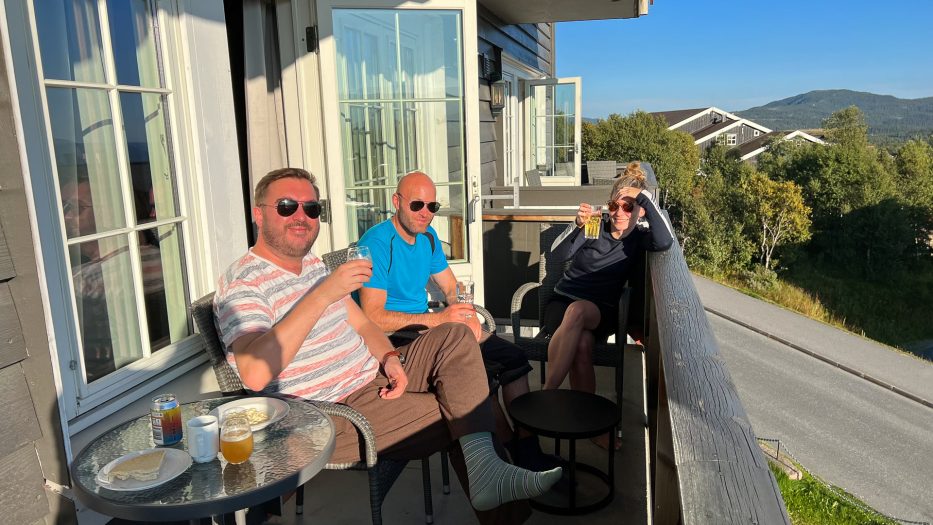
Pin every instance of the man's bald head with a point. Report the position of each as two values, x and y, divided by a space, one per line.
415 190
412 181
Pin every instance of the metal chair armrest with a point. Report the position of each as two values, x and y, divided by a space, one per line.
622 331
515 314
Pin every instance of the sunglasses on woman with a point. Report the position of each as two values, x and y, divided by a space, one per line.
626 206
287 207
433 206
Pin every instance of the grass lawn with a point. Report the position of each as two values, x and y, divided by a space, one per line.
895 313
809 502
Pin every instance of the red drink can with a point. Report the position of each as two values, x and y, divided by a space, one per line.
165 415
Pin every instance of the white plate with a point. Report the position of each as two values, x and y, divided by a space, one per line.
276 409
174 463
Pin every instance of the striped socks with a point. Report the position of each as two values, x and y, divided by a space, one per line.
493 481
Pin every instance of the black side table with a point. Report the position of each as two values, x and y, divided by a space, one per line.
570 415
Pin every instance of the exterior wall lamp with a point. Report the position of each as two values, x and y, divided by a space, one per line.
491 71
497 96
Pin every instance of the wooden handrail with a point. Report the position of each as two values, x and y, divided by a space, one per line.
706 464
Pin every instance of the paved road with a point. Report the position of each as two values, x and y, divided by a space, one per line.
873 442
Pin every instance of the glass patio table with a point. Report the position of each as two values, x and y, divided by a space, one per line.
286 455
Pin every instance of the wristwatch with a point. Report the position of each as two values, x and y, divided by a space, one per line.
390 353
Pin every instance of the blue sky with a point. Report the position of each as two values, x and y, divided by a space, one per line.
737 54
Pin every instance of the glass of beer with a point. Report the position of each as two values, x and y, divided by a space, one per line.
236 437
592 225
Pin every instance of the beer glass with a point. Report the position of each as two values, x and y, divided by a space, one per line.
236 437
593 224
359 252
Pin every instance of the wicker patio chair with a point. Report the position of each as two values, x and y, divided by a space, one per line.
601 172
549 272
382 472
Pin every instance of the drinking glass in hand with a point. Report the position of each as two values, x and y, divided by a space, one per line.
359 252
236 437
465 292
593 224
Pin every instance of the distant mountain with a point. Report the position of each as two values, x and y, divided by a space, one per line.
885 115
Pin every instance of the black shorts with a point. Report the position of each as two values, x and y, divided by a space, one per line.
505 361
554 316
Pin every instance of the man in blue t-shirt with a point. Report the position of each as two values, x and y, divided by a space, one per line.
406 253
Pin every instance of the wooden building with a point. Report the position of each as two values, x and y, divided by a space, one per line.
131 135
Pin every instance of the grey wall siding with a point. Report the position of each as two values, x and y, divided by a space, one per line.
700 122
31 443
530 44
745 133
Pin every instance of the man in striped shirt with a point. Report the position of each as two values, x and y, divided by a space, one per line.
292 329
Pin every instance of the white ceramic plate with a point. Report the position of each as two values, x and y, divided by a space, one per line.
276 409
174 463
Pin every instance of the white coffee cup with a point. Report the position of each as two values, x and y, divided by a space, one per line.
203 438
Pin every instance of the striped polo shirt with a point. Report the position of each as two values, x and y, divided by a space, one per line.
255 294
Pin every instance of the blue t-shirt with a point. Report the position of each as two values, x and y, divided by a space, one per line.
403 269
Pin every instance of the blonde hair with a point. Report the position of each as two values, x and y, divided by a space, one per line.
633 176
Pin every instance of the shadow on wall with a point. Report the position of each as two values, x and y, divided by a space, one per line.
507 265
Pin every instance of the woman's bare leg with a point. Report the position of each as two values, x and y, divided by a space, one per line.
582 373
579 316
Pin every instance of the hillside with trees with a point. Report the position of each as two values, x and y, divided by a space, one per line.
846 226
887 117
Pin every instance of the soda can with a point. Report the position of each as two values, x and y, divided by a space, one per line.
165 415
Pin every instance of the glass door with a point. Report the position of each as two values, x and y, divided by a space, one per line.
553 129
400 105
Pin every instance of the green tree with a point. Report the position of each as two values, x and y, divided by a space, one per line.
778 211
645 137
847 126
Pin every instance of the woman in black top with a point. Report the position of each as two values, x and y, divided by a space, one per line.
584 308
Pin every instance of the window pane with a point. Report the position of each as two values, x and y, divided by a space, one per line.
430 71
367 208
400 100
564 103
144 124
69 40
106 303
133 41
85 154
160 251
366 54
450 221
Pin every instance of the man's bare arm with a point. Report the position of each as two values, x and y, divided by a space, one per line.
373 303
261 357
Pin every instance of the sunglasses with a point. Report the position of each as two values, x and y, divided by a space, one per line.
433 206
287 207
626 206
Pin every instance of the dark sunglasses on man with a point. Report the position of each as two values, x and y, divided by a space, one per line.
287 207
433 206
626 206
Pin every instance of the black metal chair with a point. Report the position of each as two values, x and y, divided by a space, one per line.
550 271
382 472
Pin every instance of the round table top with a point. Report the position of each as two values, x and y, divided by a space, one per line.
286 454
565 414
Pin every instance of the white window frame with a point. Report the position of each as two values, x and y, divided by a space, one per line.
472 266
202 168
520 74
